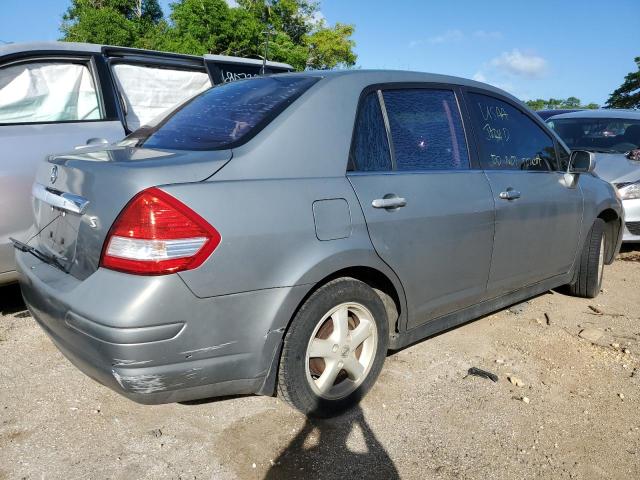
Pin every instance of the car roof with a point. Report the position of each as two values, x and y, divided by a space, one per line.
14 48
601 113
373 77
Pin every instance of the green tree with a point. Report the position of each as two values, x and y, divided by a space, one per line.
571 102
538 104
113 22
297 33
628 95
198 27
296 37
330 47
555 103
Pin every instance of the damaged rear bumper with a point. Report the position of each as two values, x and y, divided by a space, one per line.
151 339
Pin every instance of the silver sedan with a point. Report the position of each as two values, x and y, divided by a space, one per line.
281 234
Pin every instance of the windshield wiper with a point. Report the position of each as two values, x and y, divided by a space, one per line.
48 259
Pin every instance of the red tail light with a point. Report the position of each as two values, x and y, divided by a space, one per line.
156 234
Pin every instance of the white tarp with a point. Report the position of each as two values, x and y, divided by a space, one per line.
151 92
47 92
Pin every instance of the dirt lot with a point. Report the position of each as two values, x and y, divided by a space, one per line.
576 414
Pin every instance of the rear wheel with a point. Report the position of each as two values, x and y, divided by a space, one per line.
334 349
591 263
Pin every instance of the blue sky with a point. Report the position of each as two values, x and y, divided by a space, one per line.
532 49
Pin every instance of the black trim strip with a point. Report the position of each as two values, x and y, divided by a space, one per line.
161 63
474 312
107 87
387 128
111 51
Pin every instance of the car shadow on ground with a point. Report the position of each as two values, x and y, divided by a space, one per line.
629 252
11 300
321 450
630 247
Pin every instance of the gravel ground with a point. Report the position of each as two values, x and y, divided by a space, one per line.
572 412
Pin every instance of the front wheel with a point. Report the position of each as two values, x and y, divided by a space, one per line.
588 280
334 349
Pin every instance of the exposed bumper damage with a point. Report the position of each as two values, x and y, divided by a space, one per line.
170 347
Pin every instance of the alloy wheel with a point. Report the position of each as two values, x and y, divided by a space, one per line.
341 351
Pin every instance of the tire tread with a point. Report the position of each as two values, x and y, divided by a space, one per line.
587 283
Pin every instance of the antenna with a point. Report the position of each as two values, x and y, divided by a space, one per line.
267 33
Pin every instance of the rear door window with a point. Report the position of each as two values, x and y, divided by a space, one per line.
149 92
226 115
370 150
47 92
508 139
426 129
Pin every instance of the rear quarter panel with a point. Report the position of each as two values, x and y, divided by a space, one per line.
269 237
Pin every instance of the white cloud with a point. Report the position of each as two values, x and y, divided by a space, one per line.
479 77
513 71
318 17
447 37
232 3
498 82
520 64
456 36
488 35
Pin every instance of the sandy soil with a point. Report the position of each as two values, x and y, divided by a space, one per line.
425 418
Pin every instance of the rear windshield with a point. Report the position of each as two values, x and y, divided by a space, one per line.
224 116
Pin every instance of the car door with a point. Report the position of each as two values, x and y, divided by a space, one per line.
538 214
429 213
48 104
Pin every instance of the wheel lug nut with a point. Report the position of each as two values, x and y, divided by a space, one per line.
340 364
335 348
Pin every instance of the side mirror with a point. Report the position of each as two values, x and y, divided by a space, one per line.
581 161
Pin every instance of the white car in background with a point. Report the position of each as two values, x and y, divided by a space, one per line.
614 137
57 96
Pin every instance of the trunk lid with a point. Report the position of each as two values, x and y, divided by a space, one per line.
77 196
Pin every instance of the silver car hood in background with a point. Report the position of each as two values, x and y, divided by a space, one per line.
616 168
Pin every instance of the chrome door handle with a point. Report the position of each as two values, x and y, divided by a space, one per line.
389 202
510 195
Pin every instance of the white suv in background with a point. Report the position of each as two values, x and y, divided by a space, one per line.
57 96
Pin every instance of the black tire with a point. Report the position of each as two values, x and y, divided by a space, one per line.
294 373
590 265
